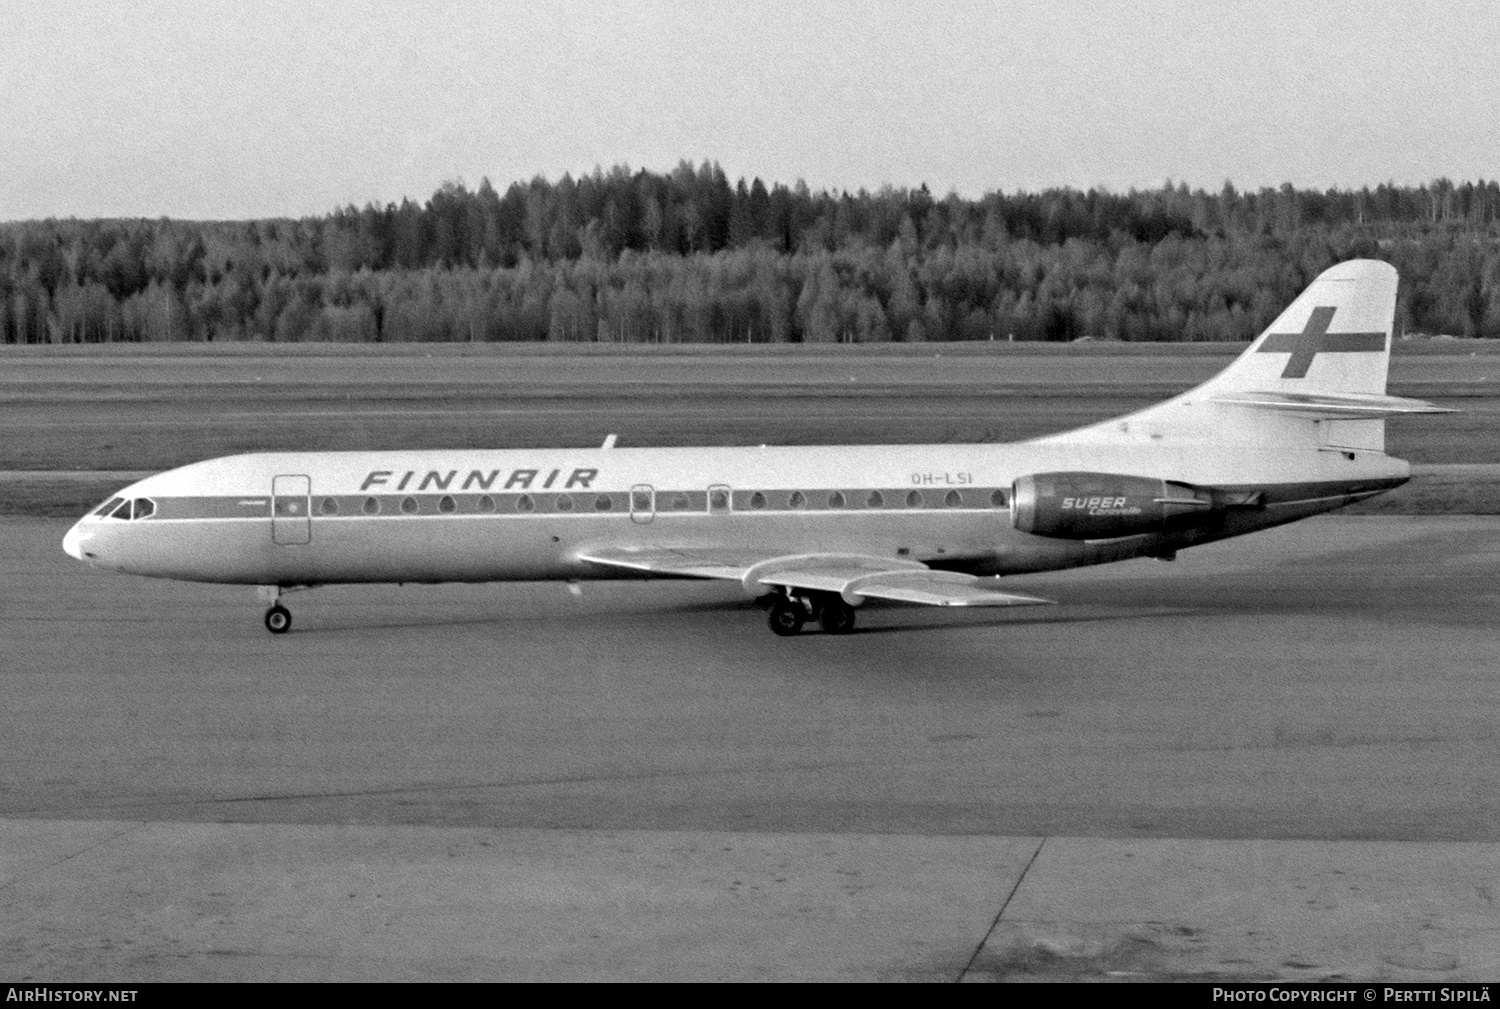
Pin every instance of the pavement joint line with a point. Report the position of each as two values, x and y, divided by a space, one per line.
134 827
1001 913
438 787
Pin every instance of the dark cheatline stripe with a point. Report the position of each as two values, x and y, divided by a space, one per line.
751 502
239 507
667 502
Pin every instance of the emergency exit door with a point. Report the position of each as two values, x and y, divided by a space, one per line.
291 495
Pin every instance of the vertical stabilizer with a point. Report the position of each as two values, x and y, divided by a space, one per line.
1316 377
1335 338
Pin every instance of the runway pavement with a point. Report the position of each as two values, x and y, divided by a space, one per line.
1275 757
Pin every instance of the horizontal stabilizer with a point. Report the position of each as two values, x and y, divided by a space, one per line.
1336 405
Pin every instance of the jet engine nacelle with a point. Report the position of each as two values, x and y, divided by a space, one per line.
1096 506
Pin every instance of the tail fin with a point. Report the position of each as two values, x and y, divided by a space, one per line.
1317 373
1335 338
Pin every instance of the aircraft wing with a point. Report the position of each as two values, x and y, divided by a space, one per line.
676 562
907 585
853 576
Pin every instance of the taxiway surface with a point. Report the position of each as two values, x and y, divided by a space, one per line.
1333 679
642 782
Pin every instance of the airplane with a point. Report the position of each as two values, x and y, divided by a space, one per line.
1294 426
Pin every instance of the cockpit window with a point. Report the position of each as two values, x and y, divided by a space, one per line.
107 507
137 509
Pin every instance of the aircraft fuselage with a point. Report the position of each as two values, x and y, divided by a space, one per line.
474 516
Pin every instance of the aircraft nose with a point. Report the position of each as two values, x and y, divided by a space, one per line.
73 542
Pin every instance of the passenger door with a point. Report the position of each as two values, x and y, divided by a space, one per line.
642 503
291 497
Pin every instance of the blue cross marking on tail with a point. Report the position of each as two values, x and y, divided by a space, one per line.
1315 339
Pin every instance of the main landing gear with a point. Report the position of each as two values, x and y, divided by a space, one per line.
789 613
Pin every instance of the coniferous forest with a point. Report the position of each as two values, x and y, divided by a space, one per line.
689 257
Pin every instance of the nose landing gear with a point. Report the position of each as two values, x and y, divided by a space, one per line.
789 613
278 619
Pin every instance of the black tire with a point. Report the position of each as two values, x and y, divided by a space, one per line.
278 619
786 617
836 617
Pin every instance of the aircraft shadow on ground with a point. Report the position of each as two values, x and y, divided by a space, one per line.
1083 613
1061 615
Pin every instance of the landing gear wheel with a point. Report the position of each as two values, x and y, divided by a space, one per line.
787 617
278 619
836 617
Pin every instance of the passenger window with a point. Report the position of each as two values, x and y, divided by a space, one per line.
372 506
836 499
757 500
953 499
875 500
718 499
914 499
108 506
447 505
998 499
680 502
486 503
564 503
525 504
603 503
409 505
640 500
797 500
330 506
144 506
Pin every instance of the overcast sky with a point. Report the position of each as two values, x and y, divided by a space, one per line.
257 109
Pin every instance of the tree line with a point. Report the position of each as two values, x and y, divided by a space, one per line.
623 256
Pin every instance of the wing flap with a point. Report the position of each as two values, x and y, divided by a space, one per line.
817 579
938 588
906 585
